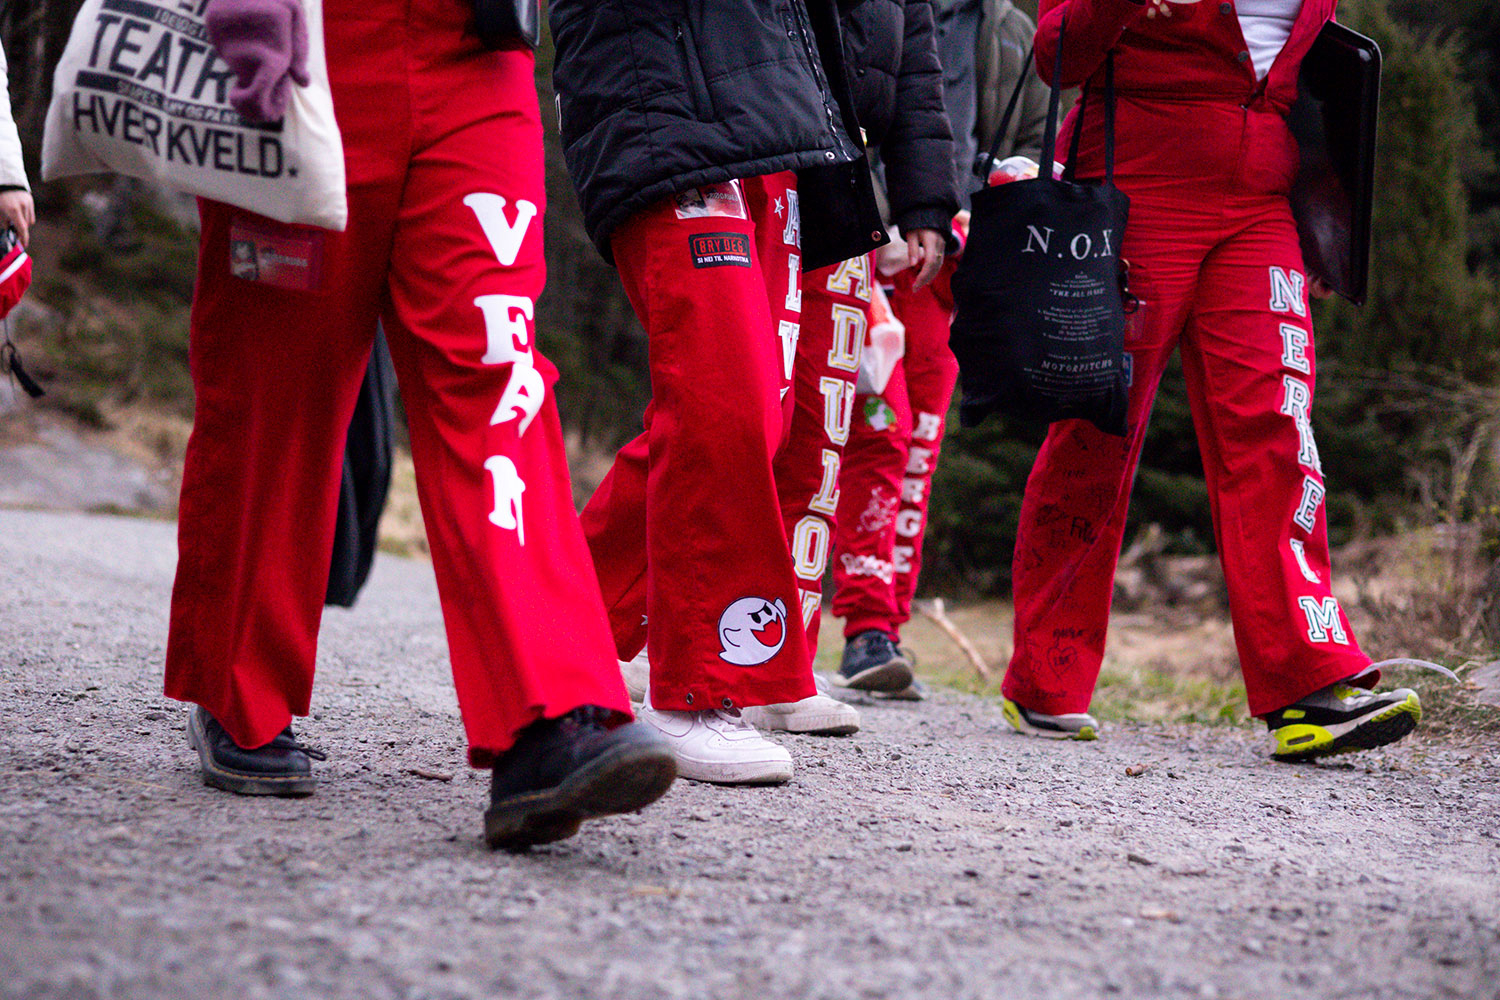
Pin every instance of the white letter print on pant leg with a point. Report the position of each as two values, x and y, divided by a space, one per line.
508 340
508 490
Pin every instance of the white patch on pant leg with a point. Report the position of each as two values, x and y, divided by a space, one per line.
838 408
1306 516
1323 621
1300 551
901 556
505 237
852 277
879 512
929 427
508 489
1294 341
1296 402
811 602
849 326
810 541
866 566
826 500
1287 292
793 283
752 630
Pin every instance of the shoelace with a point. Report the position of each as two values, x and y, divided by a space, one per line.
732 718
286 741
1407 661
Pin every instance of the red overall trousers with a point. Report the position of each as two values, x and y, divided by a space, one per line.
685 529
443 146
888 466
1207 159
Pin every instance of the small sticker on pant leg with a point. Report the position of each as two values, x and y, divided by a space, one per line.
282 256
719 249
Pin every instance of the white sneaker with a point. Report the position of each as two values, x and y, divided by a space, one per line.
637 674
819 715
719 746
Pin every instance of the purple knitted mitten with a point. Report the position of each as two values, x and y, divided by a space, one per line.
265 44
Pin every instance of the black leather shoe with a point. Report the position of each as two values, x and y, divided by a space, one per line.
281 767
872 662
563 771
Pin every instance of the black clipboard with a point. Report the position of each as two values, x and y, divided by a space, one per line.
1334 121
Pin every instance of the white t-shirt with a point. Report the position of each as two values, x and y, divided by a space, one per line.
11 169
1266 25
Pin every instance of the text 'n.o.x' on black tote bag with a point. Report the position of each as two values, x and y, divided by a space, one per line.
1039 303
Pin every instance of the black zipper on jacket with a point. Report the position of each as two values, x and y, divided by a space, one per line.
809 49
697 82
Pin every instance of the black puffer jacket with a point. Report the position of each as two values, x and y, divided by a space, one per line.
656 96
891 54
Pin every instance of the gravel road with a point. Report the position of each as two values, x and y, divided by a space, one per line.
931 855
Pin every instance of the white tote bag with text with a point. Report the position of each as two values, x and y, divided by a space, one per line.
140 91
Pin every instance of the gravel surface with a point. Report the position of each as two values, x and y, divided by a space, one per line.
931 855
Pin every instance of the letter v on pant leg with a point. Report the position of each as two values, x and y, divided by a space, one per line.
505 238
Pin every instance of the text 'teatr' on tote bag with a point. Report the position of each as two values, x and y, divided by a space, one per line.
140 91
1039 307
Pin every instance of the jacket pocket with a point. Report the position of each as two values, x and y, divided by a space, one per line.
692 73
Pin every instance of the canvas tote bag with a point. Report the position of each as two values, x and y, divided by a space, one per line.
1039 304
140 91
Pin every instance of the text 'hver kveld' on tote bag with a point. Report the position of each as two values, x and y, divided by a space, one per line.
140 91
1039 307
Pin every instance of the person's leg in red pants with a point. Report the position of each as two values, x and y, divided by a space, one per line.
834 319
888 468
930 371
444 240
835 322
1228 282
614 519
721 596
864 574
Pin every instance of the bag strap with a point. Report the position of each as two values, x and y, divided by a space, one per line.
1109 125
1054 99
982 167
1054 102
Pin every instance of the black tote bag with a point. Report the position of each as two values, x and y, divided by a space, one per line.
1039 298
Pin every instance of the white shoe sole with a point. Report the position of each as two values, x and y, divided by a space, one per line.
806 723
740 772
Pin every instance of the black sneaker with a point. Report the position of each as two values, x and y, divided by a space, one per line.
563 771
916 690
873 663
1342 718
281 767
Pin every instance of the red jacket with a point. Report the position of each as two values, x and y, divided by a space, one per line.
1190 51
1183 53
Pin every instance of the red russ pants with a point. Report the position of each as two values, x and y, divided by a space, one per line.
685 529
444 154
835 319
888 465
1215 260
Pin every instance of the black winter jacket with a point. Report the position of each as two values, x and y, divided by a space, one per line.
656 96
897 82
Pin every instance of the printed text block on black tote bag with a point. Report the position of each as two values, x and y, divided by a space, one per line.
1039 318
